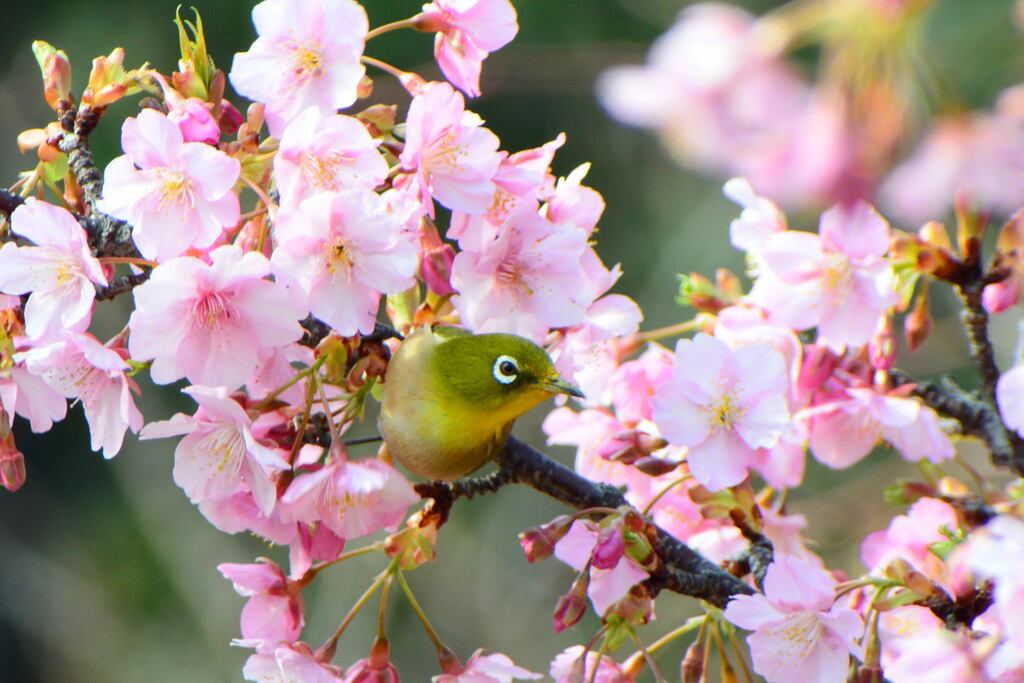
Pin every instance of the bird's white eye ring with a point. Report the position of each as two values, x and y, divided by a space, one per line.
506 369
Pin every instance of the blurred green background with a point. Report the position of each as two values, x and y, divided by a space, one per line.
107 572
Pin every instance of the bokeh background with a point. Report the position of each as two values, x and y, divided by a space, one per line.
108 573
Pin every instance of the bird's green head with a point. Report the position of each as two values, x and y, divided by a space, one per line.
503 373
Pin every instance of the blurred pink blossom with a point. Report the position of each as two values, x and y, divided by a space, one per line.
177 195
799 636
607 585
468 30
725 103
307 55
1010 398
60 272
980 154
909 538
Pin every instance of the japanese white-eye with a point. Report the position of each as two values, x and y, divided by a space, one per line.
450 397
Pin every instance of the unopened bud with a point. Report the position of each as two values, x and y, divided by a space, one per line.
56 70
229 118
999 296
380 119
539 542
611 545
691 669
817 366
572 605
12 465
919 323
653 466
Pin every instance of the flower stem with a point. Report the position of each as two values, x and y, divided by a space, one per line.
420 614
393 26
313 571
677 482
325 652
671 330
384 66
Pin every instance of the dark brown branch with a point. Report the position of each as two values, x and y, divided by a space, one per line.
976 417
683 569
961 612
121 285
9 202
976 321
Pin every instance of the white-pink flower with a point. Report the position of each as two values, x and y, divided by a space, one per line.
352 499
275 611
219 451
290 663
60 272
1010 398
799 636
567 667
493 668
454 158
81 367
307 55
326 153
209 323
838 281
177 195
532 277
723 404
468 30
340 252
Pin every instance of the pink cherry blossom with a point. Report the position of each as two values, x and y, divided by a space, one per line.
493 668
28 395
352 499
209 323
60 271
941 655
340 252
219 451
83 368
177 195
799 636
1010 398
522 178
837 281
326 153
454 158
565 668
608 585
531 278
307 55
723 405
290 663
468 30
275 611
760 219
909 538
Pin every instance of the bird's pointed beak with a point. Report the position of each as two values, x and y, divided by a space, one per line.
557 385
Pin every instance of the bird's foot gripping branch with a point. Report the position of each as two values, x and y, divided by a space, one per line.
263 251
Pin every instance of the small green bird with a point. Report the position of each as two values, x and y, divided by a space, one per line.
450 397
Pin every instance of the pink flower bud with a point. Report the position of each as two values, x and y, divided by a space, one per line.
883 345
572 605
230 119
12 465
817 366
377 668
999 296
539 542
436 268
611 544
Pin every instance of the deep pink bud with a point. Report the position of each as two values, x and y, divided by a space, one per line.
539 542
12 465
572 605
230 119
436 268
817 366
377 668
611 544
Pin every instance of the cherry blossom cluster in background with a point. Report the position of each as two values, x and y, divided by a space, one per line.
259 262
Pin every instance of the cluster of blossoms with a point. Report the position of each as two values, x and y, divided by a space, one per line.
271 318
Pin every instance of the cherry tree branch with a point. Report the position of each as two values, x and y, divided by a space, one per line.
683 569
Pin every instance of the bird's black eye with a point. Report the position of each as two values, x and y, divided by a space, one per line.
506 369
